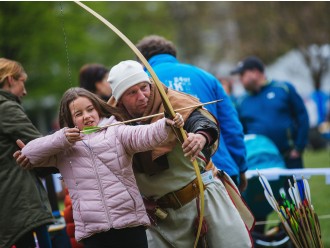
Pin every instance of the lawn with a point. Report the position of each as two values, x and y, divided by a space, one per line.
320 192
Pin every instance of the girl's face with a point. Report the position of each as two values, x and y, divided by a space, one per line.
83 113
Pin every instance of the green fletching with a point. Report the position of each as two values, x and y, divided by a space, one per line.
89 130
309 215
294 226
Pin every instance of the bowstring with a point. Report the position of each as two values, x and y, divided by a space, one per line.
69 75
66 45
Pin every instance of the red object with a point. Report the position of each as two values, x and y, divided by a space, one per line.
68 216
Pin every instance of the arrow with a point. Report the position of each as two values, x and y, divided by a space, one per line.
88 130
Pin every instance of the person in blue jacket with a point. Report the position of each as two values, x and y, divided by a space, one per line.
231 155
274 109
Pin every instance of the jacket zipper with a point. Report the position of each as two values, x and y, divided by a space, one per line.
98 181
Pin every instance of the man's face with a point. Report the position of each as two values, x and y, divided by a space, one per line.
135 99
249 79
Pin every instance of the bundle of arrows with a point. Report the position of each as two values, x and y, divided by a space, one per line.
296 212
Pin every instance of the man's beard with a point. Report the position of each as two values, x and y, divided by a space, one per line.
251 86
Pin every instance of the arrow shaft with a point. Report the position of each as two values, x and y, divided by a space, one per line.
154 115
176 110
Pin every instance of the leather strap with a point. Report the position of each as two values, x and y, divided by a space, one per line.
181 197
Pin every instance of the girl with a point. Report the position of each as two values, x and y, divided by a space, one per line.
97 168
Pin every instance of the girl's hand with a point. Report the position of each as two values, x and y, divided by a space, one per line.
176 122
72 135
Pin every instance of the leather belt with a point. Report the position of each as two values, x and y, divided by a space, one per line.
179 198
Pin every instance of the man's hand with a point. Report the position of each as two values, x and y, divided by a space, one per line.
21 160
242 182
294 154
193 145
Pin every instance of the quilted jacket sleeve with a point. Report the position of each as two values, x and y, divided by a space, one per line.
143 137
42 151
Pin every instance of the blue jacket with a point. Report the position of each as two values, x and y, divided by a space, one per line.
320 99
230 156
278 112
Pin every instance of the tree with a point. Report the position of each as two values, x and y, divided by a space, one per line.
269 29
52 39
204 33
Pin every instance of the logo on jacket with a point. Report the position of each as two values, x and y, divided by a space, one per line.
270 95
182 84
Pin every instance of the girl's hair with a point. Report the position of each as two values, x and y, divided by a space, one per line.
89 74
10 68
103 109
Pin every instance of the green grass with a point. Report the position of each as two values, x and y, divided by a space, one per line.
320 192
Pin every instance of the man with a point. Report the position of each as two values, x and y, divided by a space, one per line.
165 175
274 109
230 157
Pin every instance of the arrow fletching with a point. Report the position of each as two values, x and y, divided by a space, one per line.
307 190
89 130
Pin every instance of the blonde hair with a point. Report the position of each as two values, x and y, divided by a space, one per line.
10 68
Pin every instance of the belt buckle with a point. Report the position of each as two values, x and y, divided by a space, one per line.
160 213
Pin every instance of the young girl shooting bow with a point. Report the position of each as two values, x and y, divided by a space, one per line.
97 168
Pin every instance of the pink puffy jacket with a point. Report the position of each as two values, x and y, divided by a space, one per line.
98 173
